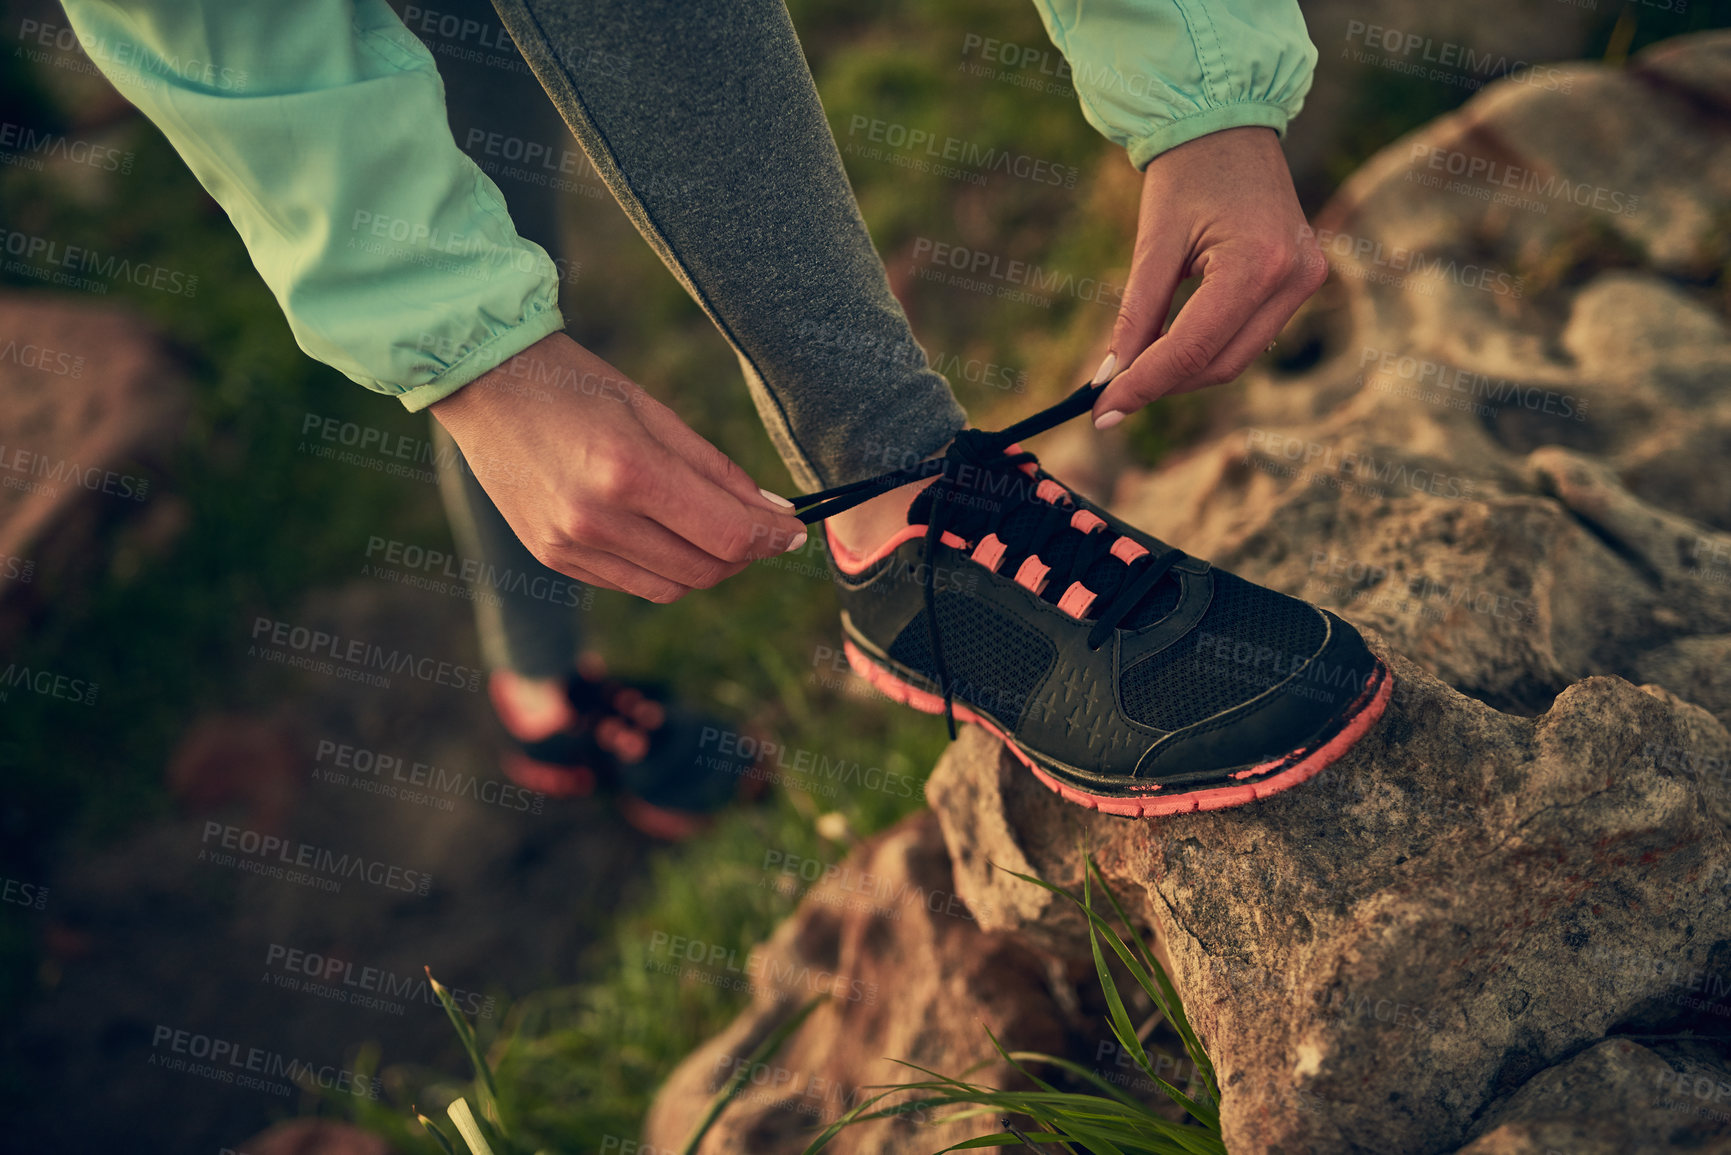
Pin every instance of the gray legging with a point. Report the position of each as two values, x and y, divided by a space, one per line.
704 122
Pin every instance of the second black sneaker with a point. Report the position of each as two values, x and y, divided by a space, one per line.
1128 676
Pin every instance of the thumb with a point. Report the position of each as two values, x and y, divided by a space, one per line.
1155 271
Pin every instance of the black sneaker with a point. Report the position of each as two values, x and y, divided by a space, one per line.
1130 677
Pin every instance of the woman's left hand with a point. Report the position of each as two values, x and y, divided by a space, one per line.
1222 207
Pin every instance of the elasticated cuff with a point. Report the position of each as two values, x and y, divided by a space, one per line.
1247 114
488 355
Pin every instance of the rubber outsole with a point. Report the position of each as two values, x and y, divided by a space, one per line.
1282 773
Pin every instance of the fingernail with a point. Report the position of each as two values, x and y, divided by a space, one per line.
1104 373
776 498
1108 419
798 540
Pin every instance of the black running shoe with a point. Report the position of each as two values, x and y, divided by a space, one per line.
1130 677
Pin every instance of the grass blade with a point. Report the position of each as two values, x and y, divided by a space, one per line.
468 1128
1172 1006
485 1091
433 1130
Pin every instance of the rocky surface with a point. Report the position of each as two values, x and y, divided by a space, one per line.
1617 1098
1465 899
93 405
909 976
1500 923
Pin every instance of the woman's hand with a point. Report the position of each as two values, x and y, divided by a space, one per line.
604 483
1222 207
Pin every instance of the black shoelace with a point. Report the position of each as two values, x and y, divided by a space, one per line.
971 493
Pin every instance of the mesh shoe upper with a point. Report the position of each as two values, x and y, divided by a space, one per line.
1115 660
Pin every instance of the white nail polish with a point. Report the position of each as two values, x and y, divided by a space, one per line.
776 498
1108 419
798 540
1107 367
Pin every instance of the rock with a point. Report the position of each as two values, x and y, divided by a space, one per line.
1616 1098
911 976
1500 920
93 407
1356 78
1467 898
1417 479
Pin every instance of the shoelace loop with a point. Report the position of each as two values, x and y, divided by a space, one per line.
955 493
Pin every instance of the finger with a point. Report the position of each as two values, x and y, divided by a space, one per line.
1234 287
653 547
610 571
713 519
1155 270
1255 337
567 563
705 458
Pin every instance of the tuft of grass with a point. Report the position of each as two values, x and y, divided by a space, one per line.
1105 1120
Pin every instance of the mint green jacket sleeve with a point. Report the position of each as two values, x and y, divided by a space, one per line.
319 126
1153 74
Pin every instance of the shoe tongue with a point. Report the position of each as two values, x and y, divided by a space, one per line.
1021 521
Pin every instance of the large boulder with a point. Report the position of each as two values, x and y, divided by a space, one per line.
94 407
1500 923
906 973
1467 898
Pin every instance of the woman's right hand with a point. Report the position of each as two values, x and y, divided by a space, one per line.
604 483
